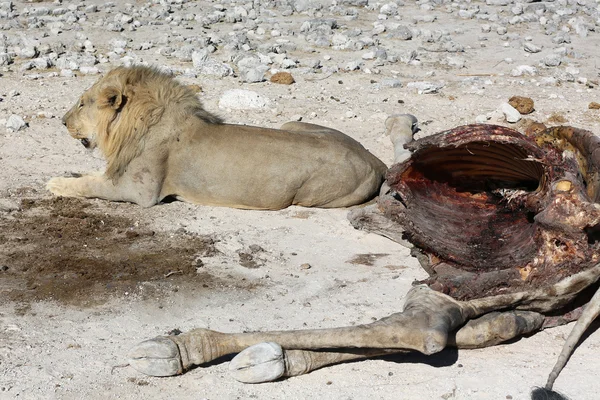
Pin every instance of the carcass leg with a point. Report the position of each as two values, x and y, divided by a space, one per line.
266 362
424 325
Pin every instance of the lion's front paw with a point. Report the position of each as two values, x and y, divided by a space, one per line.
63 187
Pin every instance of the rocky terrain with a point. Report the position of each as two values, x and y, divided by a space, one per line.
81 281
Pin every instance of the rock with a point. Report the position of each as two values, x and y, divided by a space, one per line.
15 123
510 113
402 32
284 78
391 82
67 73
481 119
253 75
89 70
353 66
29 52
531 48
552 60
5 59
240 99
594 106
425 87
389 9
523 105
524 70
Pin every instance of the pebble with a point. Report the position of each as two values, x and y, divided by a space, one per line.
5 59
240 99
284 78
14 123
552 60
594 106
523 70
522 104
425 87
531 48
510 113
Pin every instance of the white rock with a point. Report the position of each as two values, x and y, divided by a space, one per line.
524 70
425 87
89 70
531 48
481 119
5 59
67 73
240 99
389 9
510 113
15 123
552 60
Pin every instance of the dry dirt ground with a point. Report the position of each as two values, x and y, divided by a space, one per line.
81 281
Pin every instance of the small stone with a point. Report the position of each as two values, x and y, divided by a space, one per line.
523 105
5 59
594 106
29 52
239 99
67 73
15 123
531 48
523 70
391 82
89 70
425 87
353 66
481 119
305 266
552 60
253 75
510 113
283 78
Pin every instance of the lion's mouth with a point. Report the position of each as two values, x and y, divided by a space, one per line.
85 142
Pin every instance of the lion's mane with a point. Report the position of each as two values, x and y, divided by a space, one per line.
131 101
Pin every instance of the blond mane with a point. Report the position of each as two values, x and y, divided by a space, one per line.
133 100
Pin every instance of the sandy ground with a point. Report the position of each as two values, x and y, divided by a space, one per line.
87 279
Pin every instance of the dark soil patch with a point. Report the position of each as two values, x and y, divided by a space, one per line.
367 259
69 250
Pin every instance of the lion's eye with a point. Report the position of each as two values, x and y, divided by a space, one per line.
80 104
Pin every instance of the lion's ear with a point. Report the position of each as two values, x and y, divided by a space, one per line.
111 97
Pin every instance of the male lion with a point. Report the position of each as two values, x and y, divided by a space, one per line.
159 141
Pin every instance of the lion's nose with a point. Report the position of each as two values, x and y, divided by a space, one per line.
64 121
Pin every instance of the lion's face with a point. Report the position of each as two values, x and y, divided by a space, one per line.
93 113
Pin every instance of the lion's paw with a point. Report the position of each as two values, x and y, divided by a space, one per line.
263 362
156 357
62 187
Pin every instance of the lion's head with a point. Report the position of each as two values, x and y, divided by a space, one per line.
117 112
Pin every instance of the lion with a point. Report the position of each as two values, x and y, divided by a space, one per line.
160 142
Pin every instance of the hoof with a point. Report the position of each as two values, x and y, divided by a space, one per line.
156 357
263 362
